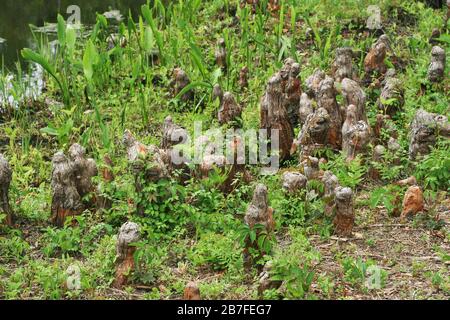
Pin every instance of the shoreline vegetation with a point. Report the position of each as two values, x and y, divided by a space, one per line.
93 205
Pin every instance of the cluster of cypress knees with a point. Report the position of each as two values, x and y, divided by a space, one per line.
284 106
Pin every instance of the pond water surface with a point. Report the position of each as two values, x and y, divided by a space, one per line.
17 15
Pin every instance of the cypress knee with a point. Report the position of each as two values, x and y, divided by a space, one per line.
343 65
66 200
258 213
129 232
344 214
5 181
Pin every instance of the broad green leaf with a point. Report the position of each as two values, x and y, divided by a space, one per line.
61 31
71 38
90 59
33 56
50 131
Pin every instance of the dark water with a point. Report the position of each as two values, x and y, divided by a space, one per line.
17 15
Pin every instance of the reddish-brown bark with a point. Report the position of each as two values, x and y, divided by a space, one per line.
5 181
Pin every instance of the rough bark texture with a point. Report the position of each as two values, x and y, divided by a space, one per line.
135 149
354 95
258 212
265 282
71 181
153 160
5 181
243 77
313 83
66 200
330 182
229 110
148 164
311 168
221 54
314 133
377 128
274 115
374 61
355 134
210 162
345 217
326 98
377 157
84 169
173 134
412 202
343 65
293 92
437 65
238 172
179 82
316 128
128 234
232 164
305 109
191 292
293 181
424 131
394 147
392 90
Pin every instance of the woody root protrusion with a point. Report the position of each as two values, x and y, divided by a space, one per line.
374 61
129 233
392 94
71 181
148 164
180 80
191 291
330 182
354 95
344 214
279 106
343 65
258 213
5 181
232 164
437 65
229 110
425 129
293 182
265 282
221 54
355 134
